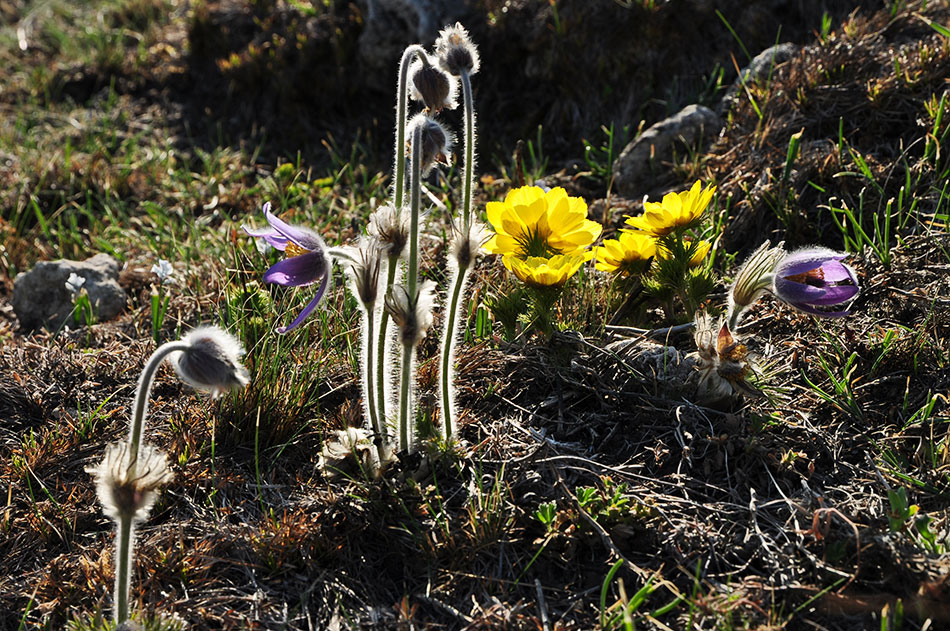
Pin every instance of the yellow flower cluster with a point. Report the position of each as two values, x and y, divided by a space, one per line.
633 251
541 235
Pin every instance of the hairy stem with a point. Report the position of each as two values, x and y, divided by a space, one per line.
402 106
140 406
415 202
469 151
448 353
412 280
381 375
123 567
405 392
369 374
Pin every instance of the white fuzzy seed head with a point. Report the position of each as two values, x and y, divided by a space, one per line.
127 486
213 361
363 264
465 248
412 317
455 50
391 227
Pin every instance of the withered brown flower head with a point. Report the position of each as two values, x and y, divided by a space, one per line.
723 361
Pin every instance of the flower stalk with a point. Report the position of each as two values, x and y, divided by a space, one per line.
462 263
412 297
402 106
131 473
459 279
140 406
382 376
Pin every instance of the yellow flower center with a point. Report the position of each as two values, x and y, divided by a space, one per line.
293 249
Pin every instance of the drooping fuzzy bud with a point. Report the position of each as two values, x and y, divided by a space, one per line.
212 361
432 85
436 141
466 247
754 277
391 227
363 262
127 486
412 316
455 50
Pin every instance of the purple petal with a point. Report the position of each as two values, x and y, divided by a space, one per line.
791 291
309 308
270 235
307 239
802 261
836 271
818 312
835 295
298 271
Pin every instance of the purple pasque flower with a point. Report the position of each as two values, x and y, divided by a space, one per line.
814 280
307 260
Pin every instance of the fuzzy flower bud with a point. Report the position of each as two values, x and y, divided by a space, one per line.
455 50
436 141
391 227
815 280
412 316
212 361
127 486
432 85
363 263
754 277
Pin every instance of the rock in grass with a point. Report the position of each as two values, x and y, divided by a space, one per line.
42 299
643 158
759 68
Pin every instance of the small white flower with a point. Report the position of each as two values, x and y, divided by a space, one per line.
344 444
262 246
74 283
164 270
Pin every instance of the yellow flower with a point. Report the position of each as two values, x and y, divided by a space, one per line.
537 271
630 254
534 223
698 256
677 210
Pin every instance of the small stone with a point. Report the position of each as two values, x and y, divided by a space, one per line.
41 297
636 168
759 68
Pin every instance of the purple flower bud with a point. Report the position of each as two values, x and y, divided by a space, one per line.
814 280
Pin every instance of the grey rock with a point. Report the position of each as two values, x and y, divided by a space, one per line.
639 162
759 68
41 298
390 25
